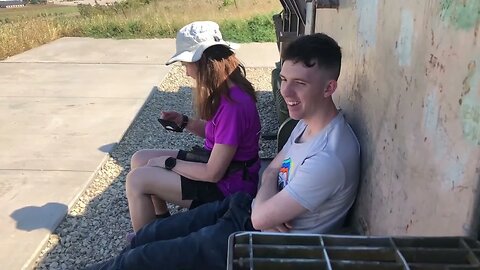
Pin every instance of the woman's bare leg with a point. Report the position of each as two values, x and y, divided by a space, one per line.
144 182
140 159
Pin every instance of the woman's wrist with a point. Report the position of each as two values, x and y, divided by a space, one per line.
185 121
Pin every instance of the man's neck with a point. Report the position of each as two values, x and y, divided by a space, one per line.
319 121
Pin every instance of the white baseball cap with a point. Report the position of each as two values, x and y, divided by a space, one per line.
194 38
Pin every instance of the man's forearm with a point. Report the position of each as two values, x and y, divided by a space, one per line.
268 188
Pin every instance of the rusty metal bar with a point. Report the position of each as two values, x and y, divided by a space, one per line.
328 3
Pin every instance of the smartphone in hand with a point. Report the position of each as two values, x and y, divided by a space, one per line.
169 125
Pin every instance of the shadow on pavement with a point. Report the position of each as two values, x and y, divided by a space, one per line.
107 148
31 218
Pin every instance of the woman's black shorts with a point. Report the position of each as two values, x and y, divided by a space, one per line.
199 192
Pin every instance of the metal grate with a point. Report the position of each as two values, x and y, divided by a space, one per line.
262 251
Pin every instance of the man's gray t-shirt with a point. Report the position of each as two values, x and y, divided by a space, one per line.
322 175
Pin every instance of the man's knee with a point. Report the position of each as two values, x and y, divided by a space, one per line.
241 199
240 211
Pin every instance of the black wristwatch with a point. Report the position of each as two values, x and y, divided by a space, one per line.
184 122
170 163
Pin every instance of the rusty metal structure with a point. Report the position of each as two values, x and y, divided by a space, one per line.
255 251
296 19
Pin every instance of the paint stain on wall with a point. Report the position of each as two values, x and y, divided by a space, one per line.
460 14
450 165
432 123
367 21
455 171
471 121
405 39
470 103
430 114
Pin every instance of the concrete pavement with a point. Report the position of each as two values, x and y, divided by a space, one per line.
62 107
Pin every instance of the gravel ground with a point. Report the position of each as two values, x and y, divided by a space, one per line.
95 227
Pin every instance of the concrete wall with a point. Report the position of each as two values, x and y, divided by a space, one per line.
410 86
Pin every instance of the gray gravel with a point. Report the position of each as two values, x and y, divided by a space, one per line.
95 227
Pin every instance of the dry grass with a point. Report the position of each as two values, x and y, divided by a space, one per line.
30 11
182 12
23 35
160 18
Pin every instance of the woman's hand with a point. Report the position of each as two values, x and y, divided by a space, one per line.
157 162
195 126
172 116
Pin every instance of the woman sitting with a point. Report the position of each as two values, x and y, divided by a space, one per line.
225 104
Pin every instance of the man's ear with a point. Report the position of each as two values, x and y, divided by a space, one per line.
330 88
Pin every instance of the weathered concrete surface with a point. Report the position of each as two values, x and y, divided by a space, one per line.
258 54
410 87
64 113
135 51
62 105
33 203
98 51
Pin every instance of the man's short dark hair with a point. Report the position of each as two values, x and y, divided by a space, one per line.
317 49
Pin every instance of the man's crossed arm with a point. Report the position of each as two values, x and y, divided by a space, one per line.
272 209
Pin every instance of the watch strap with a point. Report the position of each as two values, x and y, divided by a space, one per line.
170 163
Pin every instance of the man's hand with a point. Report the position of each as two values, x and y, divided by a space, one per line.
283 228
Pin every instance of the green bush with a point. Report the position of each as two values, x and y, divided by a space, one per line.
227 3
135 28
107 30
114 30
95 31
256 29
86 11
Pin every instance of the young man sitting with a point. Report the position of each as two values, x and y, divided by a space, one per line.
308 187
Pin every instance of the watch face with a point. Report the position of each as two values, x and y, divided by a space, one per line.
170 163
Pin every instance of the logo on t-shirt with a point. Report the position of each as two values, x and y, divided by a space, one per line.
283 174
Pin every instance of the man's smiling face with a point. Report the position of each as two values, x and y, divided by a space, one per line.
303 89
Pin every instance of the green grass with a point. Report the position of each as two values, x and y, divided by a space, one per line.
256 29
259 28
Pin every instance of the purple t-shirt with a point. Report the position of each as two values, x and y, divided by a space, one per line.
236 123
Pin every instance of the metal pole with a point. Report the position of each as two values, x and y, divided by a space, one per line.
310 17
